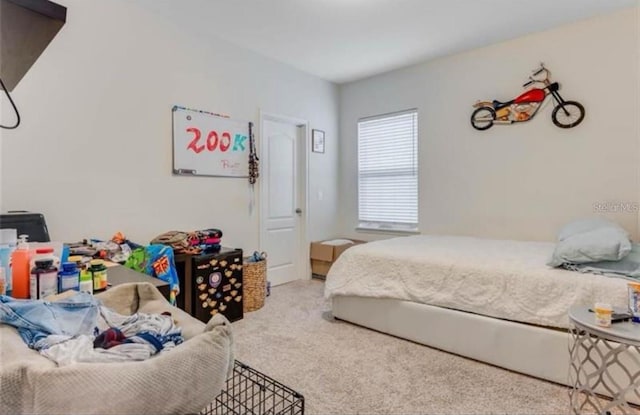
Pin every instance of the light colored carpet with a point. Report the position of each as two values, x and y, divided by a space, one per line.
341 368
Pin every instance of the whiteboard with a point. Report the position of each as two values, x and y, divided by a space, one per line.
207 144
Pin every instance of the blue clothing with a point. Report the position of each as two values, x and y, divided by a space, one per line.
37 319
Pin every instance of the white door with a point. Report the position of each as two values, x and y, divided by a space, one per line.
282 199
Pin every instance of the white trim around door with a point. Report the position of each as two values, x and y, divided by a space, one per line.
302 267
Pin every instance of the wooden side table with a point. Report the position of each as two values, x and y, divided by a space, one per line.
603 360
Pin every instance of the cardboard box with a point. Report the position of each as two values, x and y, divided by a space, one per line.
323 256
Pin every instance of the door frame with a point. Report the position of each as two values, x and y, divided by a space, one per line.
303 186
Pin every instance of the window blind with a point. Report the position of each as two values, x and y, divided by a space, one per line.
388 171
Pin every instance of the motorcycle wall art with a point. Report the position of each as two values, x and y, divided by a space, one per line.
566 114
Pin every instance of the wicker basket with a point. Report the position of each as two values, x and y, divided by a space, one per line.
254 280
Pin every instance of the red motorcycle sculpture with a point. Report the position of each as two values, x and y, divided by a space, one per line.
566 114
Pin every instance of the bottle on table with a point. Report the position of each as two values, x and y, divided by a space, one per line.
20 272
43 279
69 277
86 281
99 275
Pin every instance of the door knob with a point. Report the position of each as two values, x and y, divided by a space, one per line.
298 211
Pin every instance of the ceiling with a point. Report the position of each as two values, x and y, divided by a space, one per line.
346 40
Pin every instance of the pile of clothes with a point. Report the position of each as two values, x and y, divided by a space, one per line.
203 241
80 329
206 240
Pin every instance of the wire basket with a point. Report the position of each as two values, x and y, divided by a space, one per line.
254 280
250 392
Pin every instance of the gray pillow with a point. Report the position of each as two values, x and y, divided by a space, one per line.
579 245
585 225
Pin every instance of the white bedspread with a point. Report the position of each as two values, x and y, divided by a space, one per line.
503 279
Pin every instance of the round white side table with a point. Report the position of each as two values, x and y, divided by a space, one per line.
603 359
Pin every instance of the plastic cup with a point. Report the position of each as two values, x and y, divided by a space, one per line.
603 312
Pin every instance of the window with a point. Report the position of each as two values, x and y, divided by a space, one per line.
388 171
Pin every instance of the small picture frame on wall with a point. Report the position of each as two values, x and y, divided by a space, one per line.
317 141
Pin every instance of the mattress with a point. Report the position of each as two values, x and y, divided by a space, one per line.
496 278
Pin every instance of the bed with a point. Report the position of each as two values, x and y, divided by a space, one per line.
491 300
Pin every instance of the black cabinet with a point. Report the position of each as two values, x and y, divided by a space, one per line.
211 284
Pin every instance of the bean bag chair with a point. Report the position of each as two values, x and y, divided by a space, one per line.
180 381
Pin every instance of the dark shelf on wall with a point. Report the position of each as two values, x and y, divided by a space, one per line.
26 29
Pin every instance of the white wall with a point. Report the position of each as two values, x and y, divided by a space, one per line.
94 150
520 181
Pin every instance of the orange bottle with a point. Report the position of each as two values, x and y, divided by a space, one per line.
20 269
